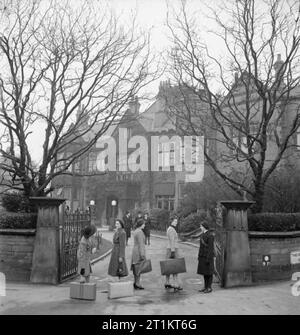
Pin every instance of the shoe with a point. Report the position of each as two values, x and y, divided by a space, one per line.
177 288
208 290
168 286
202 290
137 287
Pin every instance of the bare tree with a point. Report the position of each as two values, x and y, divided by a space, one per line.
250 123
65 68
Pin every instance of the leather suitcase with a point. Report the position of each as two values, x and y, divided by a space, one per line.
84 291
172 266
120 289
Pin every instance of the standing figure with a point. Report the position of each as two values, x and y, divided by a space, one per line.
138 252
85 250
147 228
172 252
138 217
206 257
117 261
127 225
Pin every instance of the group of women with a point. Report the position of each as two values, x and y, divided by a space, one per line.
117 261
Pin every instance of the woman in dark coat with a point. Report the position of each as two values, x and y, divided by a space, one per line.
146 230
206 257
117 259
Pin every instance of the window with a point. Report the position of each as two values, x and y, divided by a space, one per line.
166 156
92 162
165 202
77 167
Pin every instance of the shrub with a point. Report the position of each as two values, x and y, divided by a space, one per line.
18 220
17 202
274 222
159 219
192 222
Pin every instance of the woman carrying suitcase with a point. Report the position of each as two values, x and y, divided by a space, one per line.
172 252
84 253
117 265
138 252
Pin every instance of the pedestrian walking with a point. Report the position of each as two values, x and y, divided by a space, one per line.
117 264
147 228
127 219
172 252
206 257
138 252
85 250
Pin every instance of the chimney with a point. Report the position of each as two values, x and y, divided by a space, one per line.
278 65
134 105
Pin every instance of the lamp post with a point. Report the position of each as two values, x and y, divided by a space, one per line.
93 211
114 204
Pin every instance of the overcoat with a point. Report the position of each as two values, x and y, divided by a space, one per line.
138 251
146 230
119 243
127 225
84 254
172 241
206 254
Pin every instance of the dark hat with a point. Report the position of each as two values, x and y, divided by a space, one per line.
89 230
139 223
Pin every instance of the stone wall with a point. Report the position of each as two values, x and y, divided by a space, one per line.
16 250
278 247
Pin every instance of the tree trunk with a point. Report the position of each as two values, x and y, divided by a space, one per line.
258 198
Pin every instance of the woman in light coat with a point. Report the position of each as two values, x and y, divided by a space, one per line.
172 252
138 252
85 250
117 259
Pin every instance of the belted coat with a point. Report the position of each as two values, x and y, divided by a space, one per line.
118 251
206 254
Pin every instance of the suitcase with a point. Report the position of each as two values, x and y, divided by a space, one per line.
172 266
120 289
144 266
84 291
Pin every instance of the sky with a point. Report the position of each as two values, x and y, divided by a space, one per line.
151 16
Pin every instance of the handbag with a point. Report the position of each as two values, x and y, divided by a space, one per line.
143 267
172 266
121 272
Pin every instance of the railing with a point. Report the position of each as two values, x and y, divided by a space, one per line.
70 234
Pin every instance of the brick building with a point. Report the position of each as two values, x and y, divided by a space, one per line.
161 187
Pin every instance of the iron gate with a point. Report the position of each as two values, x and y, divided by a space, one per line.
70 234
220 241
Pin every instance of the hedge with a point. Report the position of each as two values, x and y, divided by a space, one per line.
274 222
17 202
192 222
159 219
18 220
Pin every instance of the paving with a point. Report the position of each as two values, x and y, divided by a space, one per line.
271 298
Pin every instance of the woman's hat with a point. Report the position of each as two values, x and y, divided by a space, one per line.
139 223
89 230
